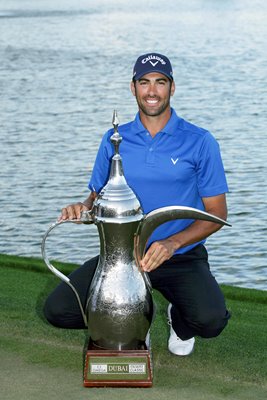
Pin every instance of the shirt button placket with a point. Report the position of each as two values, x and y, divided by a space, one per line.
150 155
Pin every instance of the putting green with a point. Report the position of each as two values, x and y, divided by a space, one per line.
39 361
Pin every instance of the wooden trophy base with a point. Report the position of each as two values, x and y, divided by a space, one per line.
117 368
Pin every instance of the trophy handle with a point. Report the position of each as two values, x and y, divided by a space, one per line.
53 269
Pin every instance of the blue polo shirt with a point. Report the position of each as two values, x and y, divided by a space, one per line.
179 166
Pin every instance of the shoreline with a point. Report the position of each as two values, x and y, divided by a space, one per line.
38 265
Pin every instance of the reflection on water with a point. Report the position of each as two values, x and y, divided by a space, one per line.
66 66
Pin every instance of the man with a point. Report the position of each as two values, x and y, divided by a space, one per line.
167 161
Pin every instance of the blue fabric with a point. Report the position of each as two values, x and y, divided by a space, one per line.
179 166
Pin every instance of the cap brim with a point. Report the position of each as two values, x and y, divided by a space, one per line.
138 76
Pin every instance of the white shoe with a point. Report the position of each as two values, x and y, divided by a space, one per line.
176 345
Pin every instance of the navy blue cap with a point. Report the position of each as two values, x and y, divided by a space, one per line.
152 62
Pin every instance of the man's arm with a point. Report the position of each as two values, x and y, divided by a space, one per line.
73 211
162 250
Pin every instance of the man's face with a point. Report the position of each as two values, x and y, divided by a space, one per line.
153 92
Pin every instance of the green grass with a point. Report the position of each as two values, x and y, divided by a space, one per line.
40 361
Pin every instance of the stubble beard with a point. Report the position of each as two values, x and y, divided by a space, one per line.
153 112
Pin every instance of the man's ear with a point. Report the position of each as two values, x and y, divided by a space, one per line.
172 88
133 88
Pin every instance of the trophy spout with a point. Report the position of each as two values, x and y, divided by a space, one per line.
161 215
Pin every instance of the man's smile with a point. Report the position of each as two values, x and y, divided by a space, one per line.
152 101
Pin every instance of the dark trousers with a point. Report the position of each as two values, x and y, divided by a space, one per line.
185 281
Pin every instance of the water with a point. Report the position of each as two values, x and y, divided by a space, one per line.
65 65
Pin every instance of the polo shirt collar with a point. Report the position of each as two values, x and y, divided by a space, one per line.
169 128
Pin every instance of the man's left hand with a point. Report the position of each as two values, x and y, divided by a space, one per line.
157 253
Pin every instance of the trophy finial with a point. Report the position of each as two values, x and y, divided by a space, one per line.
116 137
115 120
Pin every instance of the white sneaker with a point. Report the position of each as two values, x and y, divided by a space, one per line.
148 341
176 345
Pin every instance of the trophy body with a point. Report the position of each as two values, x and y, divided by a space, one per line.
119 306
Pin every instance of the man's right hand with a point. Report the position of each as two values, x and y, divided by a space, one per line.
72 211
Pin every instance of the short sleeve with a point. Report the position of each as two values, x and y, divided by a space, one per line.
210 170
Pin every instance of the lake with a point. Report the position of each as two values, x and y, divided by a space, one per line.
66 65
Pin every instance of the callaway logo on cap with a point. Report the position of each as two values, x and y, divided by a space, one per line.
152 62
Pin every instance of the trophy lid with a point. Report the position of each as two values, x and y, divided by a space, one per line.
117 202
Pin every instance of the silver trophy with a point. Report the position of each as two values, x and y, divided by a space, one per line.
119 307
